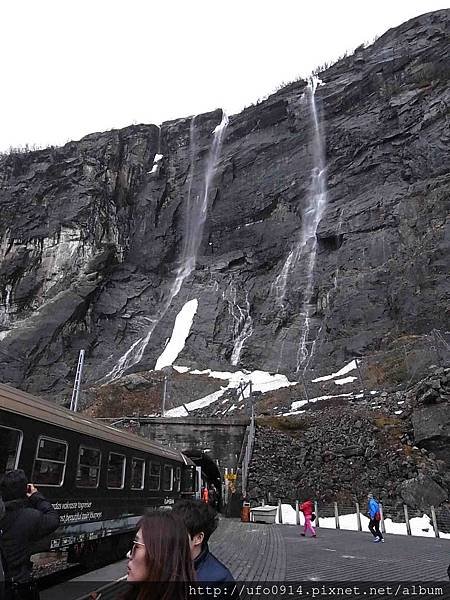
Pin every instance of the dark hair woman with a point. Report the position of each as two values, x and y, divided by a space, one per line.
160 559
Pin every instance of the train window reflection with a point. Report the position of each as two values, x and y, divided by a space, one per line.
50 462
168 478
116 471
88 469
137 473
188 479
10 444
155 476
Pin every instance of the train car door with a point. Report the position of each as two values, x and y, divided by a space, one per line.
198 483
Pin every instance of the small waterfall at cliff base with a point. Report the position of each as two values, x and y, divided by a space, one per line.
242 321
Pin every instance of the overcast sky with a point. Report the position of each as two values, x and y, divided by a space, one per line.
72 67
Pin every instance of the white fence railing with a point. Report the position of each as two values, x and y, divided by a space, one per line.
394 520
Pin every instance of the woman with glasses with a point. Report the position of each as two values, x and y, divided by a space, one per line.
159 563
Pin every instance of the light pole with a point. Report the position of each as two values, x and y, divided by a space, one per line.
77 383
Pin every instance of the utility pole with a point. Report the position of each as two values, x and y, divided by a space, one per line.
163 409
77 383
242 387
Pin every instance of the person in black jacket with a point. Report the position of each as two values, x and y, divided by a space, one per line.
201 521
28 518
2 572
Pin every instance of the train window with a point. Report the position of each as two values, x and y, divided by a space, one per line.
188 481
168 478
155 476
137 473
88 469
177 479
10 444
50 462
116 471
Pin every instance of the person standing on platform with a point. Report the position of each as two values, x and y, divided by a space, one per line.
213 497
373 509
201 521
307 510
2 571
28 518
159 563
205 495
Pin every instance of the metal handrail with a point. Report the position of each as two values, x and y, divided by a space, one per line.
248 454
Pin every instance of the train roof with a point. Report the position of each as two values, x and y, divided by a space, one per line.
22 403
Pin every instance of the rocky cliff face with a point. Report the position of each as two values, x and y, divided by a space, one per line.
93 233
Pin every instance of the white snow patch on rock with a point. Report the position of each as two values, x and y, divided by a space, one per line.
262 381
345 380
181 329
349 367
200 403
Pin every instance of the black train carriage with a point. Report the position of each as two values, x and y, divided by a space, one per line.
99 478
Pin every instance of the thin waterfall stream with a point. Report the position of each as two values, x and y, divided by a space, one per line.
317 201
242 321
305 249
196 211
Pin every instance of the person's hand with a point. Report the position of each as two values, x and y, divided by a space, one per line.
31 489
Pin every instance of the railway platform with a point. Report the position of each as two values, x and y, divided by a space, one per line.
257 552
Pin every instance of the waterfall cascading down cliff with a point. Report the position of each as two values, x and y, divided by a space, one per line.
195 216
305 250
317 201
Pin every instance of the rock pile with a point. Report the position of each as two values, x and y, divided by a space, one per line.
343 452
337 453
434 389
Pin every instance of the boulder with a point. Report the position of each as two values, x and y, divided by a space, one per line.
422 492
432 430
352 451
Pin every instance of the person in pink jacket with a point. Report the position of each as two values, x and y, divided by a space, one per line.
307 510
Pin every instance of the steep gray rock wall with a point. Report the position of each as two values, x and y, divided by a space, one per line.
92 232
